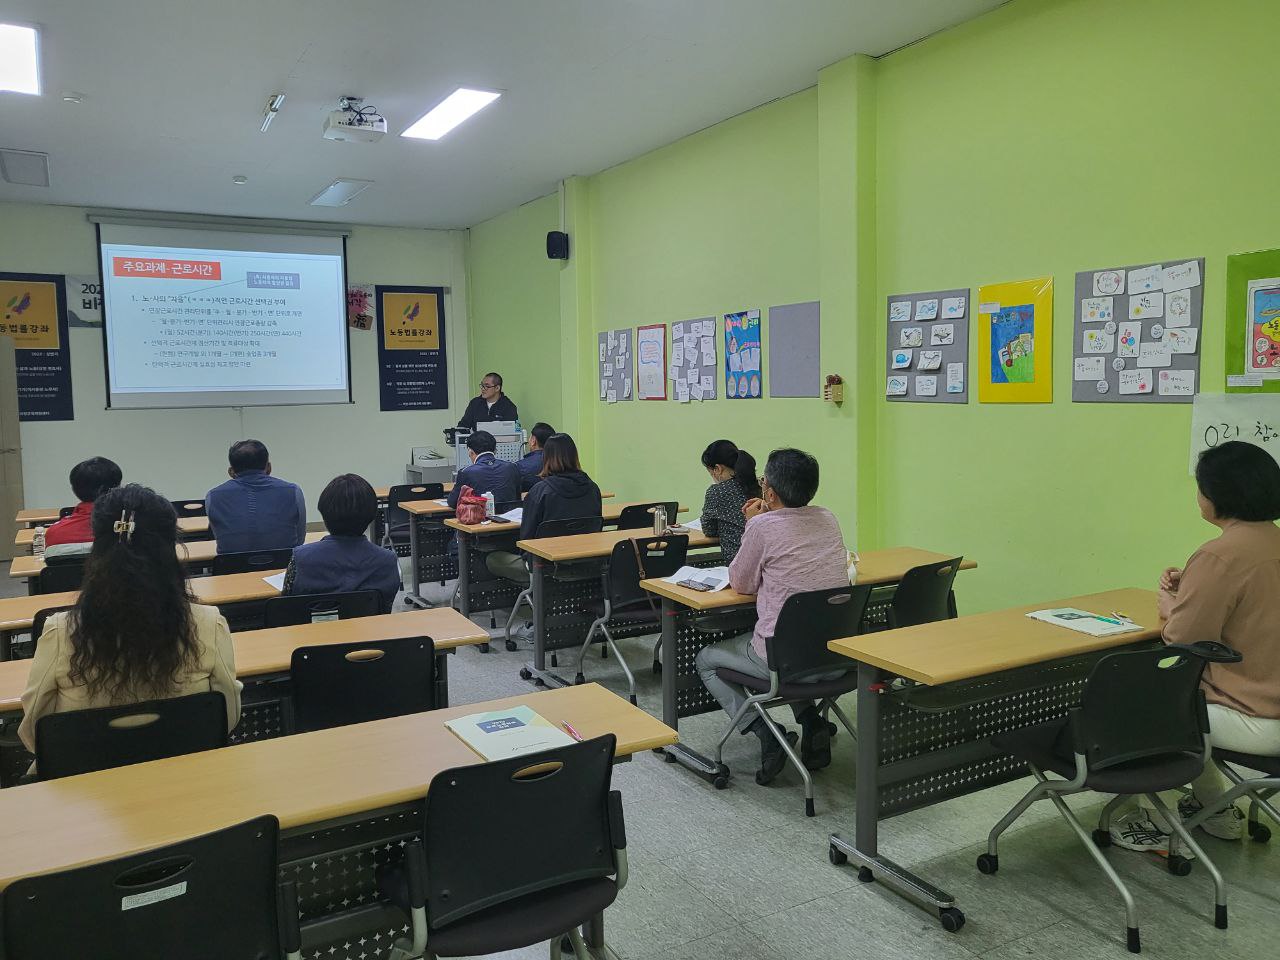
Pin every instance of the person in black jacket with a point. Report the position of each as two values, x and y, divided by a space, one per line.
491 405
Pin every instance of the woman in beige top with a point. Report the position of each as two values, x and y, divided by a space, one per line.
135 632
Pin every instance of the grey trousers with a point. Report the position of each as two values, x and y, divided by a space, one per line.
736 653
508 565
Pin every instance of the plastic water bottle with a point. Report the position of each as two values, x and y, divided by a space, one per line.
37 542
488 505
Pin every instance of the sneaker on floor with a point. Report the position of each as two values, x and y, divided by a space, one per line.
1135 830
772 757
1226 824
523 631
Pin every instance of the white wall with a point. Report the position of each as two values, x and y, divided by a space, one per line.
183 452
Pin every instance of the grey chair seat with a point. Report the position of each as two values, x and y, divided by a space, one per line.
1268 765
1041 745
818 690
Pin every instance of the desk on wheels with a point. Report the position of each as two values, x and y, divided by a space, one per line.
983 675
346 798
263 659
693 620
17 613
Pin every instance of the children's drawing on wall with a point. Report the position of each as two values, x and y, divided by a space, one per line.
1013 333
1263 340
744 379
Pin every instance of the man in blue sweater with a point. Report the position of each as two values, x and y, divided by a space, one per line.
254 510
530 464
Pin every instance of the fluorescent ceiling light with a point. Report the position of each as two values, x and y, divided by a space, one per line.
340 193
451 111
25 166
19 59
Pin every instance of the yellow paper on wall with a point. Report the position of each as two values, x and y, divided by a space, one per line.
29 314
1015 342
410 321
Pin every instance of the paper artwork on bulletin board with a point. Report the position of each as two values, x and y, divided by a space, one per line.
614 365
743 375
694 367
1253 322
33 312
651 361
928 347
1139 341
360 306
1015 342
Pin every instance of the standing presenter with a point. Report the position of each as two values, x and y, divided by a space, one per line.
491 405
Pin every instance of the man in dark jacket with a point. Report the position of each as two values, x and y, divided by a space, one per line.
531 463
487 474
254 510
491 405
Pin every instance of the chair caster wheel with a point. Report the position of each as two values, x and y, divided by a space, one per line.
512 646
988 863
837 856
526 673
482 647
579 680
865 874
832 728
1179 865
1102 838
1259 832
951 919
808 807
657 668
721 780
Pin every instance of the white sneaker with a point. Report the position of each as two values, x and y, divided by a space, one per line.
1135 830
1226 824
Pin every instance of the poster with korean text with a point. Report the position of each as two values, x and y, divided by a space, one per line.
413 370
33 312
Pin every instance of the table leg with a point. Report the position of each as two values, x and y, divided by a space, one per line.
464 573
442 678
6 645
537 670
413 598
872 867
677 752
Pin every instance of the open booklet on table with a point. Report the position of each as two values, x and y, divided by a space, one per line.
702 579
1082 621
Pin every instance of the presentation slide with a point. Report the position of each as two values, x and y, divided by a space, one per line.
210 318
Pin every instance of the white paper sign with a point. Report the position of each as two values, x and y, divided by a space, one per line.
1182 339
1090 368
608 369
1182 276
1135 381
1108 282
955 378
930 360
1177 309
604 388
953 307
942 334
677 331
706 386
1130 337
1099 341
897 387
1144 280
1154 354
1146 306
911 337
900 310
682 392
927 309
84 300
1097 309
612 396
926 386
1176 383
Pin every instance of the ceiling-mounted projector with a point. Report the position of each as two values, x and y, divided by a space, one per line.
354 122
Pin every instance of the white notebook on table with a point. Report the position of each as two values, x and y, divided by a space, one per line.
500 734
1082 621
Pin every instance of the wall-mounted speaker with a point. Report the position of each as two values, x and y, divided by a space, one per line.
557 245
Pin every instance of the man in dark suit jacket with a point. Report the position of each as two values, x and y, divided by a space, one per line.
487 474
491 405
530 464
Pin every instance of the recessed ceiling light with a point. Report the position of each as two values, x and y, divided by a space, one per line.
340 193
450 112
19 59
240 180
25 166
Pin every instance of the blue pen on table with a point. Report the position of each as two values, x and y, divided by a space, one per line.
569 729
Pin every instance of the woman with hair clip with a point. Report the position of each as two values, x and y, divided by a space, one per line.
734 473
135 632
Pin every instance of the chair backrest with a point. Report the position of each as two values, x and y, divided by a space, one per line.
81 741
478 862
251 560
807 622
402 492
60 575
924 594
641 558
172 901
569 527
64 512
38 621
639 516
342 683
189 508
1141 703
318 607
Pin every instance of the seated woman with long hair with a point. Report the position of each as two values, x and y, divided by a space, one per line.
136 632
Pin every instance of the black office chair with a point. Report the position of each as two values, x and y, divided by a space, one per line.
189 508
251 560
343 683
64 512
396 535
639 516
1259 790
476 886
25 648
624 602
81 741
549 528
924 595
300 608
1141 727
213 897
61 574
796 654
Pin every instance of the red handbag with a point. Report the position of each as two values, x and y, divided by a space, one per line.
471 506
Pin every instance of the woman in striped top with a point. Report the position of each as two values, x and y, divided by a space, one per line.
734 473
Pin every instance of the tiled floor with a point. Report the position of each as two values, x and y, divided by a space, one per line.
743 874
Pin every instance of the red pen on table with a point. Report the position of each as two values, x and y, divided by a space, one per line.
569 729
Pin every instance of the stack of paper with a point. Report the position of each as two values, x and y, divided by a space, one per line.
703 579
1081 621
508 733
514 516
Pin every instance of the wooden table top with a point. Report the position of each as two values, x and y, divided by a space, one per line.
987 643
585 545
875 567
37 515
16 613
270 651
610 512
187 527
195 552
303 779
432 508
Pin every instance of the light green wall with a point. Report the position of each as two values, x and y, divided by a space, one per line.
1047 138
515 313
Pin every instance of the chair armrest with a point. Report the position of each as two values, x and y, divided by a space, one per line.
1210 651
415 866
617 822
290 931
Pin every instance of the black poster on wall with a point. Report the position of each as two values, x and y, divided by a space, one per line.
33 311
413 372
